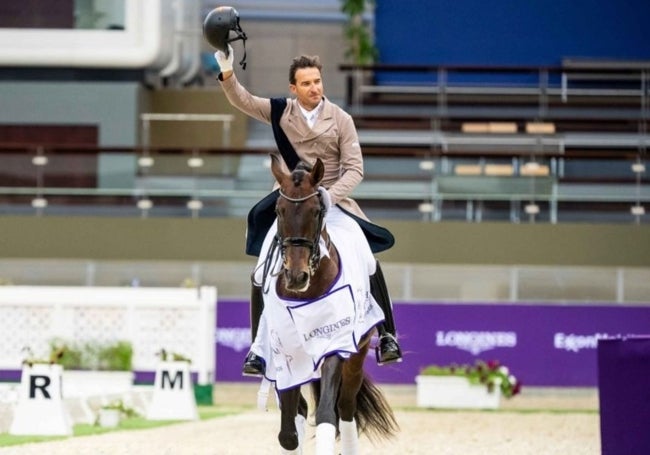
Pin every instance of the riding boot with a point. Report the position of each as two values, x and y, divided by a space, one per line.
388 350
255 365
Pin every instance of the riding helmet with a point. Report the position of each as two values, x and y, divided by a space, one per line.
217 26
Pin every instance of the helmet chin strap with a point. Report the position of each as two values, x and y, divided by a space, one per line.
240 36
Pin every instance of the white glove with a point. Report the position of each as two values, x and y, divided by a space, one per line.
225 63
326 198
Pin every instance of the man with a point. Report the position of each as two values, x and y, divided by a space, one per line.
315 128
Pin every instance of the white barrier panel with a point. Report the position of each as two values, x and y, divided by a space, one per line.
179 320
173 394
40 410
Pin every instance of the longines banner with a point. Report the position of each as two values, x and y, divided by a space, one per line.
543 345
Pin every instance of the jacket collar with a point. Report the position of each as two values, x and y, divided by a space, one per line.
298 121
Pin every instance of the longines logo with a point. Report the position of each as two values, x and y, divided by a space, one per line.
328 330
233 337
476 342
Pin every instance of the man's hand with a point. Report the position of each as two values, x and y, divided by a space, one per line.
225 63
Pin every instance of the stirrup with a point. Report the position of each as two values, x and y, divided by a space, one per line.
388 350
254 366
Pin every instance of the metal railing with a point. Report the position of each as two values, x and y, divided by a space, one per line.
433 185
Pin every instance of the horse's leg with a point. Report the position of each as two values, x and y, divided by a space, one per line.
351 380
288 436
301 419
326 417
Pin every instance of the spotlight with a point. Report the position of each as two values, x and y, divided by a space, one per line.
427 165
145 161
145 204
195 162
39 160
39 202
637 210
194 204
426 207
531 209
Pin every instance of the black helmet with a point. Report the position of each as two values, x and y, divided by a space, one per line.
217 26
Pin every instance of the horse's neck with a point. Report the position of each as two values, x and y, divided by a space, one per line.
321 281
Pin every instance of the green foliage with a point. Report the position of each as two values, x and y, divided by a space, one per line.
117 356
7 440
492 374
361 48
172 356
118 405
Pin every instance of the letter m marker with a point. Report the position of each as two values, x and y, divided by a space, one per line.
171 381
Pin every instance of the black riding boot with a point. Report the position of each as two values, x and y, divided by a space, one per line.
388 350
255 365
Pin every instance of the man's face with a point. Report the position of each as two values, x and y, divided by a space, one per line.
308 87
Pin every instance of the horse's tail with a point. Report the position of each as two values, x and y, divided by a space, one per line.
374 415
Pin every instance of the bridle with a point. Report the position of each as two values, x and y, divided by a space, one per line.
312 244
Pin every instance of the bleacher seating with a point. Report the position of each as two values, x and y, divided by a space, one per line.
504 130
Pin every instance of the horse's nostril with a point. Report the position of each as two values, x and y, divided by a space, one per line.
297 280
303 277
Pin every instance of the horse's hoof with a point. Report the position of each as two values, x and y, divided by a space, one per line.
254 365
388 350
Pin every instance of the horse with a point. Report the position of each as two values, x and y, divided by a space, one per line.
347 403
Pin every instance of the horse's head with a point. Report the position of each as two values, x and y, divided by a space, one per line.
300 212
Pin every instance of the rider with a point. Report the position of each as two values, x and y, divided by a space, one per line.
316 128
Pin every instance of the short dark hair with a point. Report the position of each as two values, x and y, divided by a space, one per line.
304 61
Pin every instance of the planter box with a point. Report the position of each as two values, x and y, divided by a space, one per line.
109 418
454 392
85 384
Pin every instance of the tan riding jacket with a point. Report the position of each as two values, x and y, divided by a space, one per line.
334 140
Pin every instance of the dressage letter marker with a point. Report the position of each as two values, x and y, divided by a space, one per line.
173 394
40 410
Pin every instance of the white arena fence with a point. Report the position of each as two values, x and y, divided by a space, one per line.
178 320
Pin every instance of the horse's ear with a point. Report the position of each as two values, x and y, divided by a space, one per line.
276 168
317 172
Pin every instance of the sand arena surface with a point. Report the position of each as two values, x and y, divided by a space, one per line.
536 422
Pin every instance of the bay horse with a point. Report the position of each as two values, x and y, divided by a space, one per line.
347 402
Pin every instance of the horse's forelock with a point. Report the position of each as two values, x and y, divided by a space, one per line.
298 176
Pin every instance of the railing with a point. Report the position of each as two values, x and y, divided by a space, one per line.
448 95
406 281
562 80
595 184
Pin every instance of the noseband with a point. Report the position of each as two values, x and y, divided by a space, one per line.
312 244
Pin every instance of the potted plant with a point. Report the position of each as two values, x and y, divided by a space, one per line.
93 355
480 385
94 368
111 414
361 49
172 356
